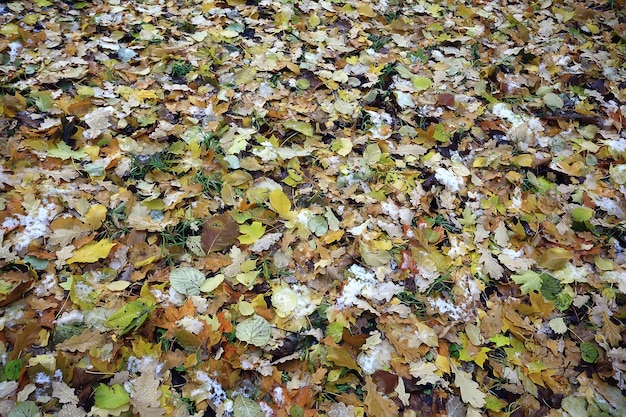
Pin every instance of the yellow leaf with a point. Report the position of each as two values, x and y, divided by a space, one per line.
95 216
523 160
443 363
251 232
280 202
554 258
118 285
341 357
92 252
142 95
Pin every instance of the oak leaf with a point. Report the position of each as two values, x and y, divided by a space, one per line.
83 342
377 404
470 390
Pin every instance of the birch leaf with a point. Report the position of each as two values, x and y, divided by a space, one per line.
254 330
187 280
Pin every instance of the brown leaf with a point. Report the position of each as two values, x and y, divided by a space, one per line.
377 404
219 233
445 100
611 330
82 342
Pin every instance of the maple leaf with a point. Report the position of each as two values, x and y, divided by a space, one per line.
529 280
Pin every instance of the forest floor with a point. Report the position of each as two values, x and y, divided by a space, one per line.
305 208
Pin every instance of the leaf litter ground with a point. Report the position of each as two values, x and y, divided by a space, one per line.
308 208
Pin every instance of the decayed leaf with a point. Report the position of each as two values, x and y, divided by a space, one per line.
64 393
554 258
341 357
145 395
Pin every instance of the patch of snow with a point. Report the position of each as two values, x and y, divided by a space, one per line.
210 390
364 283
35 225
376 358
191 324
42 379
504 112
610 206
278 395
449 179
70 317
266 409
45 286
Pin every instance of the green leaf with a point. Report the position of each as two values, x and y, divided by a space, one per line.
131 316
13 369
63 151
245 407
212 283
553 101
296 411
529 280
500 340
318 225
550 287
255 331
43 100
441 133
582 214
335 331
111 397
25 409
589 352
251 232
187 280
562 301
558 325
421 83
372 154
301 127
